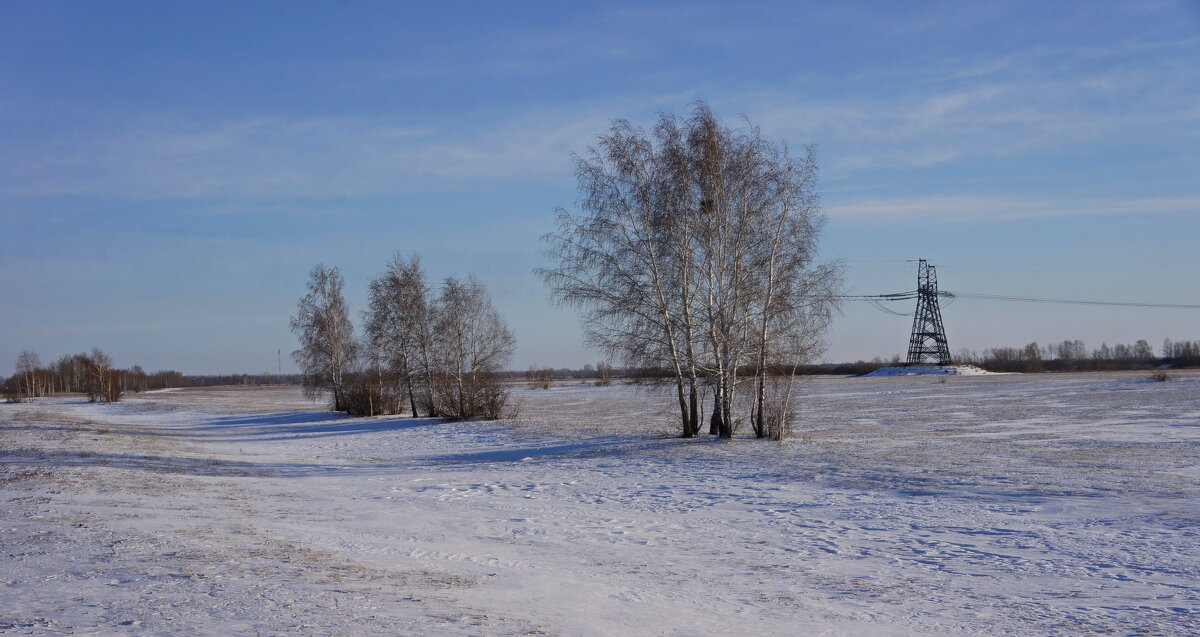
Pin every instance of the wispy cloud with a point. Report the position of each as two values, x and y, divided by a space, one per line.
1046 100
1041 100
591 36
274 157
999 208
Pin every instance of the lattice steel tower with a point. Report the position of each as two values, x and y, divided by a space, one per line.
928 342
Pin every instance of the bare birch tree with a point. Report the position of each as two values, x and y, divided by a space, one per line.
322 325
399 330
26 368
614 261
695 251
382 339
472 346
400 320
101 382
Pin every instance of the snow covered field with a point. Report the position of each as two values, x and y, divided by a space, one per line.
961 505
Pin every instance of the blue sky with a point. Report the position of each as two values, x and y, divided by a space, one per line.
169 172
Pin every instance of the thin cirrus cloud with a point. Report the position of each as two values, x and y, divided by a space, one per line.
978 109
282 157
999 208
1035 102
981 122
316 157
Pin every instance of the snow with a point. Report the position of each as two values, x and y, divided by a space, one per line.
931 370
983 505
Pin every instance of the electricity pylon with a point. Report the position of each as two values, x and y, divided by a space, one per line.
928 342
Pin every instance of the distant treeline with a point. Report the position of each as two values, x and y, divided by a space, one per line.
1074 356
1067 356
90 373
264 378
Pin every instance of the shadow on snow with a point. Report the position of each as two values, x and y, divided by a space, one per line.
171 464
299 424
589 447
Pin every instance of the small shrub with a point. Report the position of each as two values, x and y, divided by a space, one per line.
480 395
492 401
366 395
1160 376
12 391
514 410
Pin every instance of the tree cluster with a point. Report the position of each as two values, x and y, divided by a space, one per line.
91 373
602 372
694 250
1181 353
263 378
435 354
1073 355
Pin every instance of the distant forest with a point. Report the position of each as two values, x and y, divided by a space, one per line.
1066 356
92 374
89 373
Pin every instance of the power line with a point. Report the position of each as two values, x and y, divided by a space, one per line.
877 299
883 308
991 265
897 296
1033 299
1067 266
